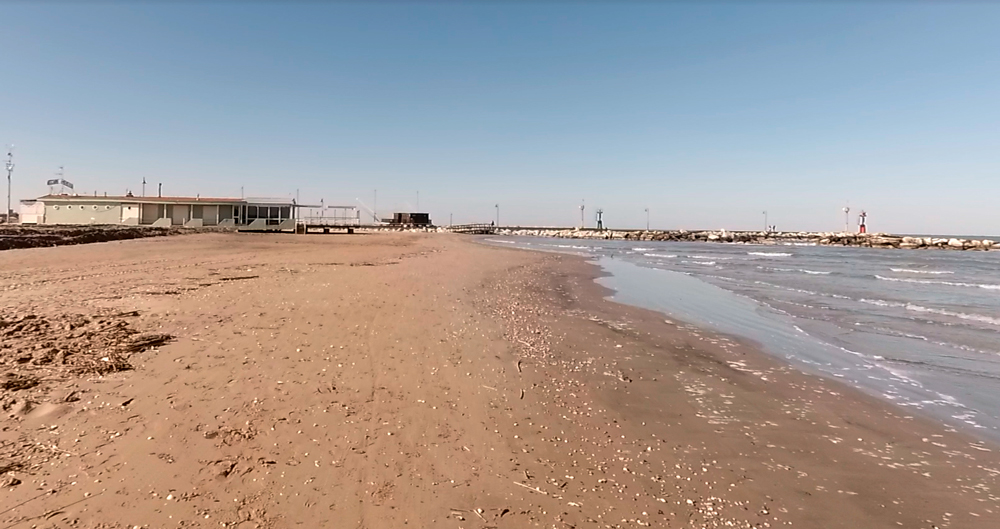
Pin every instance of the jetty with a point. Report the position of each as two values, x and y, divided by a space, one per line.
867 240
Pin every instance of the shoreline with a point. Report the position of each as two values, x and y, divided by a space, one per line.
405 379
823 326
820 429
785 341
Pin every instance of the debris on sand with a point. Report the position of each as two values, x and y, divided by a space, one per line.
15 382
35 348
26 236
142 342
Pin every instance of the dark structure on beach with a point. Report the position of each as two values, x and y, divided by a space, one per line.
411 219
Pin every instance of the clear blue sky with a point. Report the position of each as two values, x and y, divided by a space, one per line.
708 114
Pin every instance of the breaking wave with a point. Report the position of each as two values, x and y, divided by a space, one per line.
917 308
932 282
574 247
801 270
908 271
770 254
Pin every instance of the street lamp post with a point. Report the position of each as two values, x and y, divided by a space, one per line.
765 222
10 170
498 215
647 219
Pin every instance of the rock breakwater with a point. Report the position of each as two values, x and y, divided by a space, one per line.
867 240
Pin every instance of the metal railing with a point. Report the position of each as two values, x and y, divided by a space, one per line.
473 229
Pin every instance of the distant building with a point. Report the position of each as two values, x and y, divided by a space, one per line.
264 214
411 219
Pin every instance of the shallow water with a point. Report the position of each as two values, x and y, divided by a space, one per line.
919 328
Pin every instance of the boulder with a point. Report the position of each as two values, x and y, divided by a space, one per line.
956 243
885 241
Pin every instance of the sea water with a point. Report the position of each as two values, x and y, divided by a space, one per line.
920 328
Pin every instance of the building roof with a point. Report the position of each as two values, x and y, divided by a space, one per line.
145 200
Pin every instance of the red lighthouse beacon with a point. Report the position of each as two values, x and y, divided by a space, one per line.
861 222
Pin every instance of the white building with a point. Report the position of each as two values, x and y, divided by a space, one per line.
159 211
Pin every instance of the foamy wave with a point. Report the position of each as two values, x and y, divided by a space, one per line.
908 271
917 308
643 249
801 270
799 290
504 242
664 256
931 282
770 254
960 315
892 332
699 262
570 246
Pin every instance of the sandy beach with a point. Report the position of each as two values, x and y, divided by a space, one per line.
425 380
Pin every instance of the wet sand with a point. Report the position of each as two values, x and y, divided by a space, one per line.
390 380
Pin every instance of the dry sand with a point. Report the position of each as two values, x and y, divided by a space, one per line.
392 380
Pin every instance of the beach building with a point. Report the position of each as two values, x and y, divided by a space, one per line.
264 214
411 219
32 211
